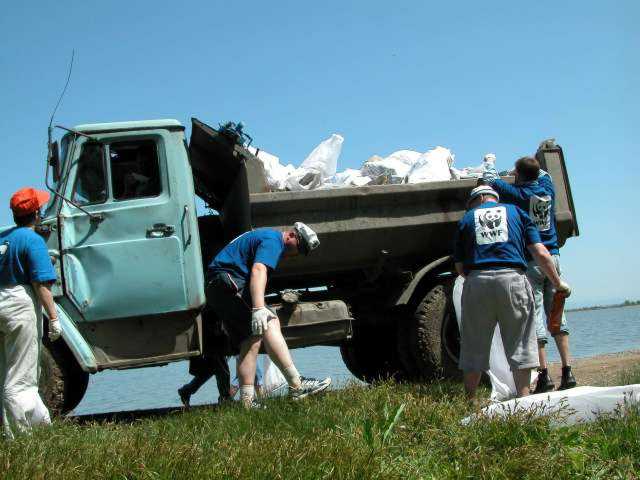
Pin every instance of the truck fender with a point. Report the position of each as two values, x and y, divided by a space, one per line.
408 292
76 342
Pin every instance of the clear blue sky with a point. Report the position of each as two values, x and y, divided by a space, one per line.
471 76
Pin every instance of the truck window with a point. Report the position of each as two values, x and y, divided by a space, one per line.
135 170
90 186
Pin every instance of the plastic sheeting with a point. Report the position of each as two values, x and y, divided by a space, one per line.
566 407
320 165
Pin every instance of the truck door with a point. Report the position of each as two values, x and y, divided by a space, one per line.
127 260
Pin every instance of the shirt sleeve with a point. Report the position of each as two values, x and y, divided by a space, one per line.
508 193
531 234
546 183
268 252
40 269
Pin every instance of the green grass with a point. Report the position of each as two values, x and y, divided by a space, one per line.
385 431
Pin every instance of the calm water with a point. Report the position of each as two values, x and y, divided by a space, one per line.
592 333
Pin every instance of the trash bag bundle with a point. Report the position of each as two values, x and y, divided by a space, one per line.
319 169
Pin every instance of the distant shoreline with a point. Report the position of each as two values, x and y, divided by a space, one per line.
604 307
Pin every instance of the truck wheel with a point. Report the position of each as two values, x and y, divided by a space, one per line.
429 341
62 382
368 356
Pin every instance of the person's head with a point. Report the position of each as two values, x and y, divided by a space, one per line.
482 194
300 239
26 204
527 169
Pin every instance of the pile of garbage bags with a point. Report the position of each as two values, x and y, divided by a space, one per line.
319 169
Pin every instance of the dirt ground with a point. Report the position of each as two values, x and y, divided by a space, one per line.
601 370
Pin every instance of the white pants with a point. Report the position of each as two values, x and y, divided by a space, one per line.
20 334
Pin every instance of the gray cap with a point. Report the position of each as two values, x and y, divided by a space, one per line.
307 238
482 190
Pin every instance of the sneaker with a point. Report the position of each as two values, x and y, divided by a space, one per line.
185 397
544 383
568 380
309 386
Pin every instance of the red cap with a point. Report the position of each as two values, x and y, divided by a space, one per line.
28 200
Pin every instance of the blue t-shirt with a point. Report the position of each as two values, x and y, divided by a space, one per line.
538 198
263 245
493 236
24 258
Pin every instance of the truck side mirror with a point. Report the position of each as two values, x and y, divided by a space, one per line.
54 161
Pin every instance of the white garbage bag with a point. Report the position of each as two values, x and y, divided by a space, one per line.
318 166
566 407
503 386
395 167
273 381
348 178
276 173
432 166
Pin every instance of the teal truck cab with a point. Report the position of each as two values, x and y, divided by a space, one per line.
130 248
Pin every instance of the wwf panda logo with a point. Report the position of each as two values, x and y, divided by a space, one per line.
490 219
491 225
3 248
540 212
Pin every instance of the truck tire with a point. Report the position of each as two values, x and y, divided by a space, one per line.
428 338
62 382
370 355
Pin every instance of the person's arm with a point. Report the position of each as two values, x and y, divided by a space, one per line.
458 249
508 193
260 315
258 284
544 260
43 292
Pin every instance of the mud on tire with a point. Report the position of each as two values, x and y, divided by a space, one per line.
428 338
62 382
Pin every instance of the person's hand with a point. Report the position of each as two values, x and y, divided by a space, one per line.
260 320
55 330
490 175
564 288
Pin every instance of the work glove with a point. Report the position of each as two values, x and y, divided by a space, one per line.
564 288
260 320
55 330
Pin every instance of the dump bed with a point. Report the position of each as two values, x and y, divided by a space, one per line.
404 226
361 229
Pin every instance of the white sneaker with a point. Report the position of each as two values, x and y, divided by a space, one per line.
309 386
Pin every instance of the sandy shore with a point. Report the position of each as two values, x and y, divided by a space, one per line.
601 370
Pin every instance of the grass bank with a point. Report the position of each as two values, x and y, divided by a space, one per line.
385 431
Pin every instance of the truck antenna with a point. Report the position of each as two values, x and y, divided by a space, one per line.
64 90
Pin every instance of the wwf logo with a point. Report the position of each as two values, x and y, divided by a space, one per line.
3 248
490 219
541 209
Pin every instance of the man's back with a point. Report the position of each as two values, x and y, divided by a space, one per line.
537 198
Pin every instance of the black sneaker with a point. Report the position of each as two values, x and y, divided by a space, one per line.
309 386
185 397
544 383
568 380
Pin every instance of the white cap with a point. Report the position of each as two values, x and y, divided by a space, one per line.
482 190
490 158
308 240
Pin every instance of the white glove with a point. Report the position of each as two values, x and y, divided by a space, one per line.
260 320
564 288
55 330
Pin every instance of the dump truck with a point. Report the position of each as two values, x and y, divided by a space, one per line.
130 248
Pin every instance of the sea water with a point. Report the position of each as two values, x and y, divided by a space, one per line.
593 332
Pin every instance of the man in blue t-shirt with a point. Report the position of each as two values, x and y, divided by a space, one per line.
489 251
534 193
26 274
236 283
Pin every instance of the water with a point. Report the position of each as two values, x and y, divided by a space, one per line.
593 332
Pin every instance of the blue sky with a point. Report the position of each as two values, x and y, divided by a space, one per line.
472 76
